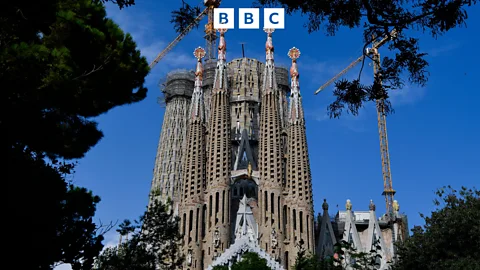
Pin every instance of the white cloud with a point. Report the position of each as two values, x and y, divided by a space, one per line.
317 115
65 266
407 95
438 51
140 25
110 240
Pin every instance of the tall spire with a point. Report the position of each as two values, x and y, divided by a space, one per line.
192 196
222 46
269 80
218 162
299 181
269 48
270 159
220 81
197 108
295 112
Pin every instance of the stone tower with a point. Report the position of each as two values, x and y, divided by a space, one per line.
271 154
167 172
244 177
298 207
218 160
192 196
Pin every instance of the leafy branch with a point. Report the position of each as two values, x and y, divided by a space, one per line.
378 18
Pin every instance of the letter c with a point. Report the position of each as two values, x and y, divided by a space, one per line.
270 18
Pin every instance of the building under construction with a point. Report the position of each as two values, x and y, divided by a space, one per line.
233 160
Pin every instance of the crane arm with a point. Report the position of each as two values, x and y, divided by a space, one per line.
359 59
384 40
345 70
178 38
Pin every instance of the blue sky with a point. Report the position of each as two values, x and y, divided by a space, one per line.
431 135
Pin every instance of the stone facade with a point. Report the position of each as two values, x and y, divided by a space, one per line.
232 144
363 230
233 160
167 172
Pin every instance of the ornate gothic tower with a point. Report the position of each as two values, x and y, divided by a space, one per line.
218 165
192 200
299 225
167 172
238 168
271 159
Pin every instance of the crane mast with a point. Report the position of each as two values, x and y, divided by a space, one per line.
388 190
210 34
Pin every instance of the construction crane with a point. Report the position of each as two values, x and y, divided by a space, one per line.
388 190
210 34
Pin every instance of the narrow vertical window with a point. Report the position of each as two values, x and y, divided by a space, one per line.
265 198
197 220
184 226
272 206
210 212
190 226
294 219
285 221
308 232
217 206
204 214
301 221
278 213
223 206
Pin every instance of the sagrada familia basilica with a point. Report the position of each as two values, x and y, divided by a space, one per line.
233 159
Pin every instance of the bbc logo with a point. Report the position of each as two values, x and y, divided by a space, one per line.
249 18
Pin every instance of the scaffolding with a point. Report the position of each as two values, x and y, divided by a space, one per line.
177 83
209 72
282 78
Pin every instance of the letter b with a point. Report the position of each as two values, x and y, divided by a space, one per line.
249 18
223 18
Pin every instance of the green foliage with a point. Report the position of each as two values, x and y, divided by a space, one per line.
450 238
378 19
304 260
132 254
51 217
347 256
184 16
220 267
62 63
154 240
121 3
249 261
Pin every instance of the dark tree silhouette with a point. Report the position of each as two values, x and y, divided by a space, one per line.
249 261
62 63
450 238
49 216
154 241
184 16
121 3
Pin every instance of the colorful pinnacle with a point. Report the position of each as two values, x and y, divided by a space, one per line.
199 53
